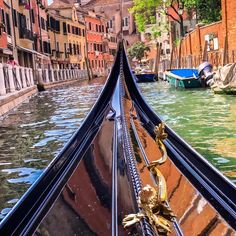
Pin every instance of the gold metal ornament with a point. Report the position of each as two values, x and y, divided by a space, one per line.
151 201
156 211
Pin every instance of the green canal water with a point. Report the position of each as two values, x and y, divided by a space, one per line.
33 134
205 120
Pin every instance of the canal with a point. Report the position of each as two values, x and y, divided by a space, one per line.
32 135
205 120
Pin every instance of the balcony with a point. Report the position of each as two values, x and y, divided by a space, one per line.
25 34
126 27
9 39
58 54
23 2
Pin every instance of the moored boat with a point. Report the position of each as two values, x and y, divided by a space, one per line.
224 80
184 78
145 77
124 166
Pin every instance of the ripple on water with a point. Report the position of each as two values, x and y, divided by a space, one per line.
22 175
205 120
34 133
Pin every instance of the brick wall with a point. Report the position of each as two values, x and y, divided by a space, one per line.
193 44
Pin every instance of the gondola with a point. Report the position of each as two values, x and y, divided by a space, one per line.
145 78
125 173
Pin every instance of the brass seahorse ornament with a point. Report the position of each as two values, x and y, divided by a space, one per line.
151 201
156 211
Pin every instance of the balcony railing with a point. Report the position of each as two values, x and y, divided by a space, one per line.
23 2
25 34
58 54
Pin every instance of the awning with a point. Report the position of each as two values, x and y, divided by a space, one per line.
40 55
6 51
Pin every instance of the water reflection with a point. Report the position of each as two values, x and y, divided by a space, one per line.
205 120
33 134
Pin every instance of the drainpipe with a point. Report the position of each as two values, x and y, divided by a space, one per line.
40 29
225 55
87 62
31 27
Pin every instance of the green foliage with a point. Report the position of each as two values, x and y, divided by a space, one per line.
208 11
145 11
177 42
137 50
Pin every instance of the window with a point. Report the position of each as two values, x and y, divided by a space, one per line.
58 26
125 22
64 28
57 47
74 47
70 48
43 25
65 50
3 20
48 22
90 26
14 17
8 24
110 24
68 28
32 15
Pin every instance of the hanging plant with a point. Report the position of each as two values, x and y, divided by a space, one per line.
211 36
2 25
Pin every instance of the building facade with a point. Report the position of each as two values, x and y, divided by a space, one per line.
120 21
29 33
67 37
41 42
98 51
6 45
